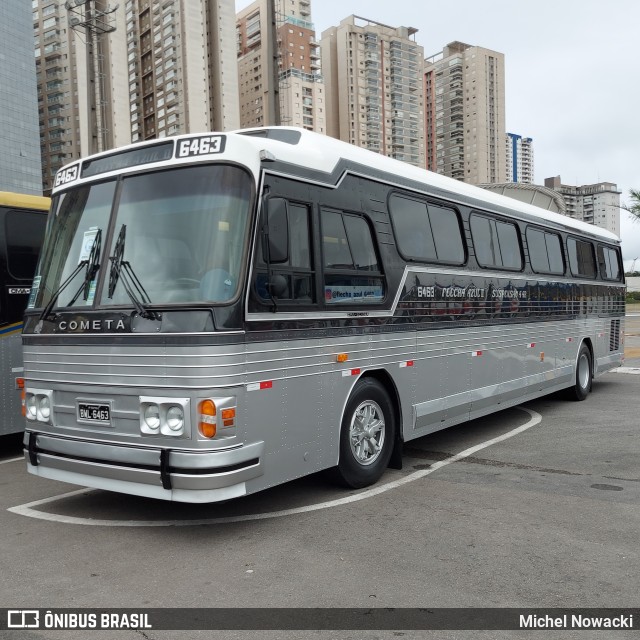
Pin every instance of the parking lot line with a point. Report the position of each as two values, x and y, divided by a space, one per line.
11 460
30 511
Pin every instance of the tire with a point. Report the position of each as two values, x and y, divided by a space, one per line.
584 368
367 435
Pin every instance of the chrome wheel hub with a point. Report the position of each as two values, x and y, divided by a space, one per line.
366 432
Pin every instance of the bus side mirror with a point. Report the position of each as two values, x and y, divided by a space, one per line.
277 231
277 285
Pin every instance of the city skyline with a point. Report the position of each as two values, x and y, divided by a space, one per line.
565 87
569 91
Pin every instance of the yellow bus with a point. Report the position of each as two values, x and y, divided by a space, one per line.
22 224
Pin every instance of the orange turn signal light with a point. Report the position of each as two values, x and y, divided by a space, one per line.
342 357
228 417
207 419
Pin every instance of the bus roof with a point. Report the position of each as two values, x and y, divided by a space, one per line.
23 201
323 153
316 152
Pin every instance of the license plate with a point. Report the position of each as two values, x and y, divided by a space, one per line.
94 412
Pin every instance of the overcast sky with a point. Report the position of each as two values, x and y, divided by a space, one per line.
572 77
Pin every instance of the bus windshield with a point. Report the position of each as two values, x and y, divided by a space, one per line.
179 234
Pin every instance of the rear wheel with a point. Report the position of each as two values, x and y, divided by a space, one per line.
584 370
367 435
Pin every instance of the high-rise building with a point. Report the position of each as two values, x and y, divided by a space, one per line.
297 82
182 77
157 68
19 137
465 113
72 124
519 152
373 76
597 204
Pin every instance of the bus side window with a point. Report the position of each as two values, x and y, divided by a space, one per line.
426 232
496 243
545 251
609 264
296 275
352 273
581 258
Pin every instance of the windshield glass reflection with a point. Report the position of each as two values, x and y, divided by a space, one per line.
185 233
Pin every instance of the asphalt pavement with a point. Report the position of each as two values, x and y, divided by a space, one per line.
536 506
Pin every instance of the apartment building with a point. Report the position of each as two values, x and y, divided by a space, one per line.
519 151
297 81
19 136
182 76
465 113
62 76
112 74
373 75
597 204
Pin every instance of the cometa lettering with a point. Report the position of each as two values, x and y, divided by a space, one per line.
92 325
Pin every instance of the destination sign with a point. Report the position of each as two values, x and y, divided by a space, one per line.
127 159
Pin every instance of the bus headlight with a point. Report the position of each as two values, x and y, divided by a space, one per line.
164 416
175 418
44 409
31 406
152 417
38 405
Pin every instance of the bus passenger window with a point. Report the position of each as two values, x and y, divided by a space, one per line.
581 259
609 263
426 232
545 252
352 271
496 243
413 230
446 234
335 245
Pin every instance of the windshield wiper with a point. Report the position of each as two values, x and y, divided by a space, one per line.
91 264
122 270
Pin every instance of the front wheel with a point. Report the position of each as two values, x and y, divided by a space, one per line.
584 370
367 435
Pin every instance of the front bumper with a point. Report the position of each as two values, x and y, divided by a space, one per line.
169 474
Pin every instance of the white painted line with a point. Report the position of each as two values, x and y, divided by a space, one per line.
11 460
29 511
635 370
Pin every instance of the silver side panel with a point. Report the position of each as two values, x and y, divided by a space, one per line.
290 396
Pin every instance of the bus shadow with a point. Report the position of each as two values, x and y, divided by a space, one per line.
304 494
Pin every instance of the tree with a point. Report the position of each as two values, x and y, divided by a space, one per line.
634 207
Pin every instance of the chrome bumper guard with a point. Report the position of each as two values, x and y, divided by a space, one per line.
171 469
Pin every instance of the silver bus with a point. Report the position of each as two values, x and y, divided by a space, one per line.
216 314
22 222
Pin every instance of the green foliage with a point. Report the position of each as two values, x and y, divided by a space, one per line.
634 206
632 296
